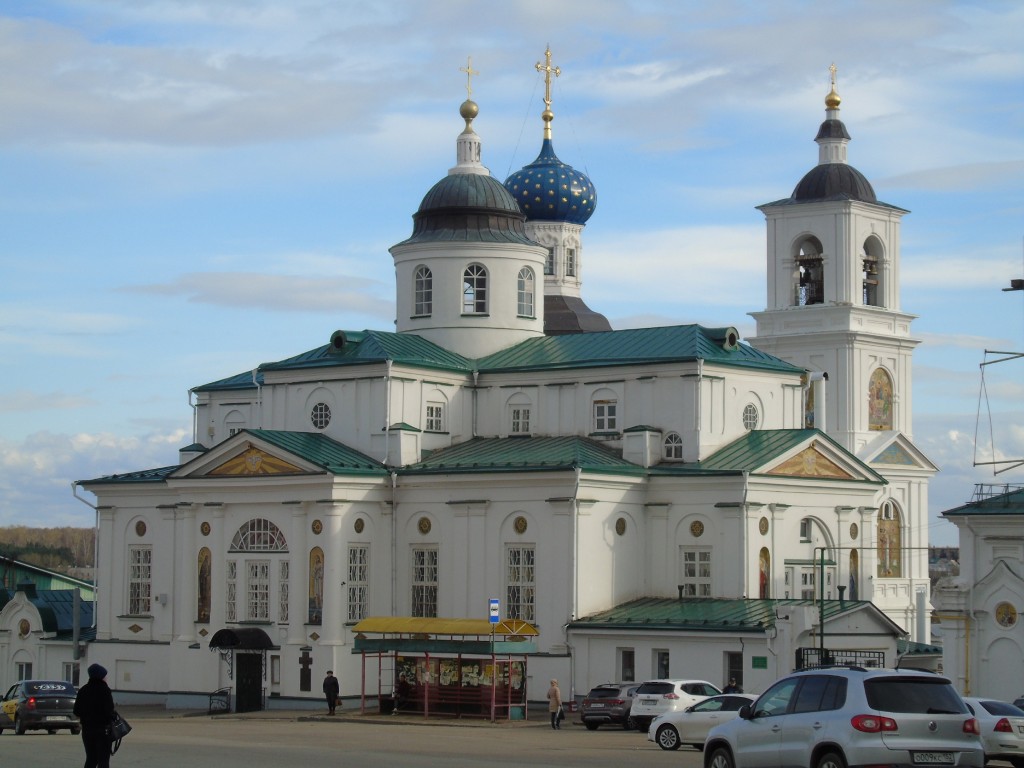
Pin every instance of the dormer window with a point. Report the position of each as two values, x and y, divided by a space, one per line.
673 447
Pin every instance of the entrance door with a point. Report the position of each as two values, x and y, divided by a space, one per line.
249 678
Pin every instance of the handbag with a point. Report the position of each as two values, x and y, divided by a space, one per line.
117 730
561 713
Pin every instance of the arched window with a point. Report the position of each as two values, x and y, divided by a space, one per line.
474 290
423 300
316 585
890 536
810 274
854 574
253 585
259 535
203 592
764 562
673 447
525 287
871 274
880 400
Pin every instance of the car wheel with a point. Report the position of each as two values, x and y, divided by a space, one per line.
591 726
51 731
831 760
720 758
1017 762
630 724
75 731
668 737
19 726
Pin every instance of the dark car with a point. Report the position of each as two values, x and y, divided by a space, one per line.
608 703
39 705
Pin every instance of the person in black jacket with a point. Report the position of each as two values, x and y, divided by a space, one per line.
94 708
331 691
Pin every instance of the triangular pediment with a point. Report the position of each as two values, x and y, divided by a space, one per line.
254 461
894 449
811 462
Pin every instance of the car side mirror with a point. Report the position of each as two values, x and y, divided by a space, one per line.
747 712
689 708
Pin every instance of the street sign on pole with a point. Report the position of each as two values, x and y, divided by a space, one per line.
495 610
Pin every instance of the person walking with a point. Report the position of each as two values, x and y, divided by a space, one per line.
94 708
402 691
331 691
555 704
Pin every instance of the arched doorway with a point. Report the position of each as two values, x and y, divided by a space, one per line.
245 651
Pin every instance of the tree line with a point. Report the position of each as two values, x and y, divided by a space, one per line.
57 549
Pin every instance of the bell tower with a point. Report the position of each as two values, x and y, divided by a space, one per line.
833 300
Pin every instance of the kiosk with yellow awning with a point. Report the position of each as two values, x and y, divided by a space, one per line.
453 667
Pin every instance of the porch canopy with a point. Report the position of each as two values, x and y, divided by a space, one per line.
453 666
242 639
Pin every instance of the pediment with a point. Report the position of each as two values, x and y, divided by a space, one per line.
252 462
894 449
811 462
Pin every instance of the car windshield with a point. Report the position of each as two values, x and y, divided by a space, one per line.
604 693
658 688
923 696
49 686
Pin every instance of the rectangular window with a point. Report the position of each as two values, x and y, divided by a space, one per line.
521 584
70 672
282 592
435 417
231 593
549 264
605 418
734 667
275 670
627 665
661 664
695 575
24 670
520 420
140 575
807 582
358 582
570 262
258 590
424 581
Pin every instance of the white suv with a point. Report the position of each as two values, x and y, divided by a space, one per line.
850 716
656 697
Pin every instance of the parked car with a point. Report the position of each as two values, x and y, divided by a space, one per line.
850 716
691 725
39 705
1019 702
656 697
1002 729
609 703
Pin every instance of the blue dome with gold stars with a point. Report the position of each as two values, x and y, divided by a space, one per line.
549 190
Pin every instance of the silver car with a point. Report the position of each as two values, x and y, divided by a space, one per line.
691 725
850 716
1002 729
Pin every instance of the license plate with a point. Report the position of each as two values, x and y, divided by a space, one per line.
1020 728
597 706
932 758
646 703
51 718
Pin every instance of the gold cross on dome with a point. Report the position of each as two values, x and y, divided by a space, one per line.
468 69
547 69
832 73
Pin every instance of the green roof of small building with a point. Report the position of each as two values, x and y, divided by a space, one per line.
705 614
1009 503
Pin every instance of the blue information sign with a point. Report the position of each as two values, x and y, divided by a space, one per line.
495 611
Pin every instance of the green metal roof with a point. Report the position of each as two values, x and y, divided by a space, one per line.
704 614
678 343
760 447
1009 503
669 344
157 475
316 448
519 454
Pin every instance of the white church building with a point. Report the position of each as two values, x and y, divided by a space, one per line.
669 500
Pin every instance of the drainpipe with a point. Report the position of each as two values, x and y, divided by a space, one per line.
743 539
387 413
394 543
476 381
575 578
95 552
195 417
259 396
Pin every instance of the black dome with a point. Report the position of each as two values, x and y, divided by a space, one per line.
834 181
471 207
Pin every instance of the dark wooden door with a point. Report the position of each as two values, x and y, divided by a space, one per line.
249 679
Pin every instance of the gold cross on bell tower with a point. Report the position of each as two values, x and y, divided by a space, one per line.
547 115
468 69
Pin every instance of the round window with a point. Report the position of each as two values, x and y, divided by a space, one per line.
321 415
750 416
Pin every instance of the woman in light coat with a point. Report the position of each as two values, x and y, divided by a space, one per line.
555 704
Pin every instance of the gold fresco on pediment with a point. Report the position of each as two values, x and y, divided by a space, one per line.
254 462
811 463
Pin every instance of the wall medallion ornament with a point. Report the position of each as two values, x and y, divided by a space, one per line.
205 529
424 525
358 525
854 531
1006 615
140 528
24 628
520 524
620 526
317 527
697 529
762 525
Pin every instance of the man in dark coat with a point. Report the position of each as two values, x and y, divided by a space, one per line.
94 708
331 691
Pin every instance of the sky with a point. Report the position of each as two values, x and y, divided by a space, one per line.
189 188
